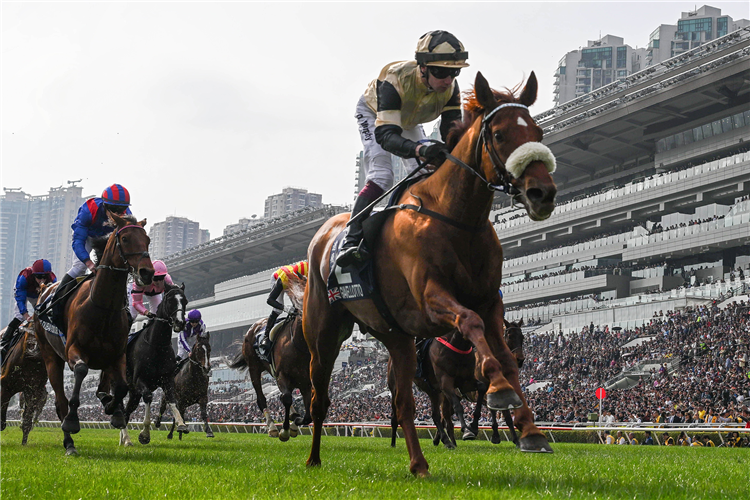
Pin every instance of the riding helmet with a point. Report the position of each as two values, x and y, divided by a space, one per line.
41 266
440 48
160 269
116 195
194 315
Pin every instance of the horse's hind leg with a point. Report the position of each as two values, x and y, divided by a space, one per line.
116 407
5 395
162 409
495 439
324 337
481 393
404 358
27 417
80 370
286 400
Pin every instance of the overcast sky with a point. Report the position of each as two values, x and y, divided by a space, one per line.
202 110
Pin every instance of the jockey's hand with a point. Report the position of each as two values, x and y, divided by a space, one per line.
149 314
90 264
26 316
435 151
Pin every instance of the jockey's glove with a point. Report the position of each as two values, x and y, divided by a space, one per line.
435 151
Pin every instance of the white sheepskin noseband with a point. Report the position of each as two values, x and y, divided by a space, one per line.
525 154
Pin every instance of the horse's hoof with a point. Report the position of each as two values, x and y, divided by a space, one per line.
274 433
535 444
157 424
293 432
495 440
469 436
284 436
71 452
503 400
450 445
169 436
3 426
209 434
118 420
422 473
299 421
183 429
71 425
144 439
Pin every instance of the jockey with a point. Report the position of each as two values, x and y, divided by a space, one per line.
194 327
390 113
276 300
89 224
154 292
28 287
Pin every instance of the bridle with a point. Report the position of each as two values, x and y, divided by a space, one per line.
504 184
204 369
131 270
172 317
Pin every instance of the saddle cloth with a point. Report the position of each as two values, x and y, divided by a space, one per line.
272 336
358 282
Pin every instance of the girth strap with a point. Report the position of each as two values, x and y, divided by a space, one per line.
452 347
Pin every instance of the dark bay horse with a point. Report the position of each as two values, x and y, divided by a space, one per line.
191 387
442 273
24 372
291 362
448 375
97 326
151 361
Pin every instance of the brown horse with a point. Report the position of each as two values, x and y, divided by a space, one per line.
441 264
291 362
24 372
191 387
448 374
97 325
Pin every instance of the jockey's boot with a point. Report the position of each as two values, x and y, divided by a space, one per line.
59 307
353 250
7 339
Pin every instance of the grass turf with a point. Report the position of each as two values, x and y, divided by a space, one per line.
256 466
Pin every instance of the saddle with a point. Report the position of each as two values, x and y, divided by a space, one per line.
272 337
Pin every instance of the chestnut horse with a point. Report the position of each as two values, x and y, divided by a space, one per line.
97 326
441 265
291 361
24 372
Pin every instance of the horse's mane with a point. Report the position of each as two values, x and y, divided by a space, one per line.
99 243
296 290
472 109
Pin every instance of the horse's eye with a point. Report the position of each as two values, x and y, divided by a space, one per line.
498 136
124 239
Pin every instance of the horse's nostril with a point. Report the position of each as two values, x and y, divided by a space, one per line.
534 195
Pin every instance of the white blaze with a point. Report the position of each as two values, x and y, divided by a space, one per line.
522 122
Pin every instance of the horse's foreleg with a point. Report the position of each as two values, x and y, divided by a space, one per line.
532 439
5 396
80 370
458 409
145 436
204 416
508 416
441 308
181 427
162 407
102 391
481 393
286 400
120 388
404 359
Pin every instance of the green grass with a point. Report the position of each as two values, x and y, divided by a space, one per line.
241 466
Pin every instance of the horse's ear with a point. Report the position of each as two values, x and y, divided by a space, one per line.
182 286
528 95
483 92
142 223
520 323
507 325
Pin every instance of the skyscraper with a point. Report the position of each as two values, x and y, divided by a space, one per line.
174 235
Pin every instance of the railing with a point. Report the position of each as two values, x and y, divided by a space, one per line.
372 430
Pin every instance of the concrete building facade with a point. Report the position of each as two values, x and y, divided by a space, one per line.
290 200
175 235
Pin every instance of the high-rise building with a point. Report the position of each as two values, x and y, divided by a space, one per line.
174 235
289 200
31 228
693 29
602 62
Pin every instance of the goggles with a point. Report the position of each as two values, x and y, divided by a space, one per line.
117 209
42 276
159 278
441 72
194 321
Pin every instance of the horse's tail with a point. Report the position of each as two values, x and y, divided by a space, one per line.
238 362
